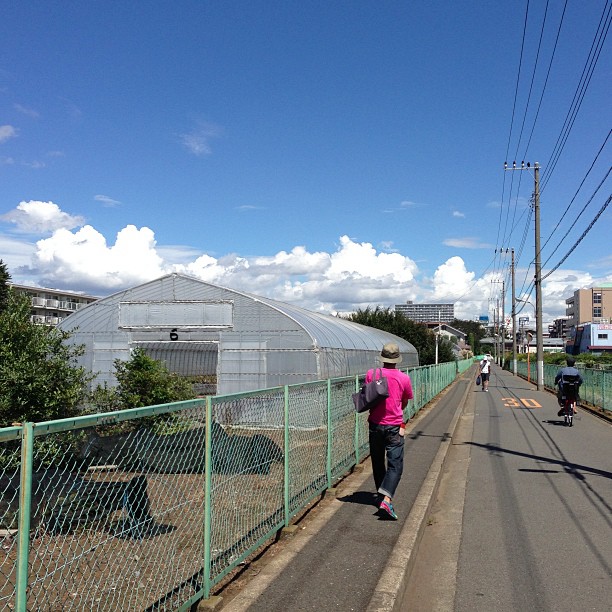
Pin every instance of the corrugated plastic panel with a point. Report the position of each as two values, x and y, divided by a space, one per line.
183 314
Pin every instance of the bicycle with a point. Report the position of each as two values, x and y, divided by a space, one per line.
568 414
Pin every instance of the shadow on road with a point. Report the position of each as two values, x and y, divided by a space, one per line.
566 465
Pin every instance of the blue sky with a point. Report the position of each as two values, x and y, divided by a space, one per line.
332 154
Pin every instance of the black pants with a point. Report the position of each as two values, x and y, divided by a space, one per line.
387 455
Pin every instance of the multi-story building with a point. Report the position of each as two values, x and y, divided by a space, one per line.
590 338
427 313
558 328
50 306
592 305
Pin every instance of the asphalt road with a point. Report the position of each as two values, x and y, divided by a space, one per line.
523 519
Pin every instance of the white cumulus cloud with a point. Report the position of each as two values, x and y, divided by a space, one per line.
352 275
84 259
40 218
451 280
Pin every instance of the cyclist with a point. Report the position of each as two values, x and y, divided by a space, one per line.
569 370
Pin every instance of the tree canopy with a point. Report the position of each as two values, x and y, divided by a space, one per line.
39 378
5 278
143 381
474 330
418 334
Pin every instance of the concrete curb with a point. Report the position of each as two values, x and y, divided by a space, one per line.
389 592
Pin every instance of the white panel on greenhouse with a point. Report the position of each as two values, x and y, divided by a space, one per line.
180 314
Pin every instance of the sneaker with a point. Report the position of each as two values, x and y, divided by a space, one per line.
387 507
487 390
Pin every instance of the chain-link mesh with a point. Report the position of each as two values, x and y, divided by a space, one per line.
342 421
596 388
118 501
247 465
308 443
116 519
10 459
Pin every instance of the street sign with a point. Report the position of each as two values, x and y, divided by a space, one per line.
483 318
523 320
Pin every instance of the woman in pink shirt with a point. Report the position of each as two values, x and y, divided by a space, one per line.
386 428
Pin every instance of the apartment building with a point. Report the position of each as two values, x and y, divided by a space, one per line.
50 306
558 328
426 313
592 305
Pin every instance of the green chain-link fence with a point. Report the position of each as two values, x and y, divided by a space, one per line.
596 388
150 508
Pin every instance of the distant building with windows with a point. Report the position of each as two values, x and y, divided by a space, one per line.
447 331
558 328
50 306
427 313
590 338
592 305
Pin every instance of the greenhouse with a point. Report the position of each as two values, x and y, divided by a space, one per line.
212 334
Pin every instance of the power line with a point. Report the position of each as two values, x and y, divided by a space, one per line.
583 83
550 63
575 195
516 90
533 73
586 231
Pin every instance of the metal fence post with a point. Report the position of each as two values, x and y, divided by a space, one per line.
329 435
207 498
287 483
357 458
25 507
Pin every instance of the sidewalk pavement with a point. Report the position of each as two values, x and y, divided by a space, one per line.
347 557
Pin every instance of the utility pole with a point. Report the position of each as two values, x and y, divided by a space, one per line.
438 336
495 341
538 279
502 335
538 269
495 331
514 370
499 343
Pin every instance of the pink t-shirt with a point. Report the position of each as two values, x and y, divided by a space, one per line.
391 412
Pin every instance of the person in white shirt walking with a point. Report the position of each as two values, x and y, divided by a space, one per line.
485 371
